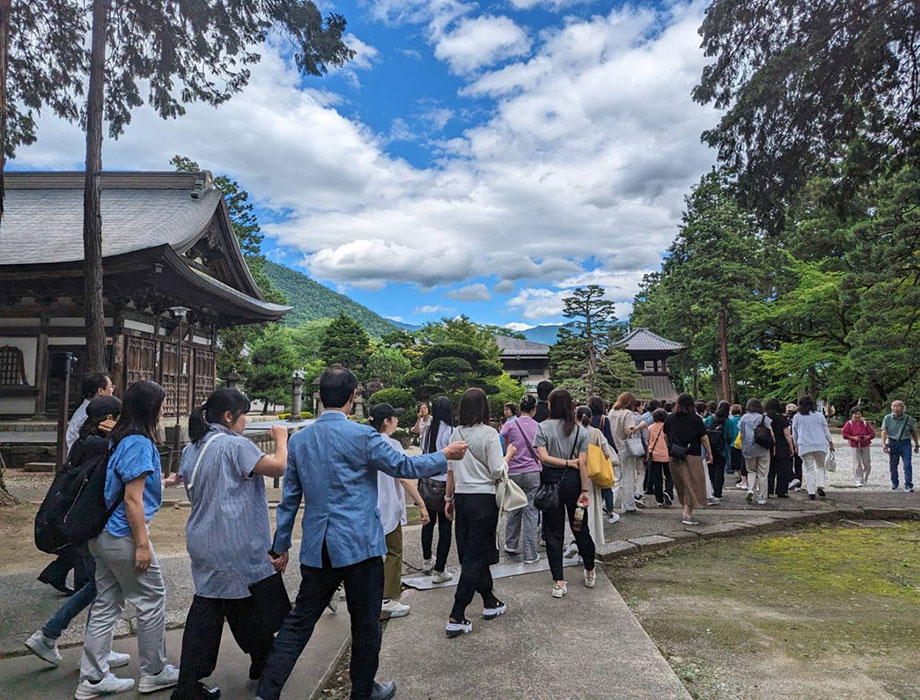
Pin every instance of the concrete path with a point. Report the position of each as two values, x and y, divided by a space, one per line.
33 679
586 645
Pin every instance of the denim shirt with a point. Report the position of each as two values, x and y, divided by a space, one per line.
332 466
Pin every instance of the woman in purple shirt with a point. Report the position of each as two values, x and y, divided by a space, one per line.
524 469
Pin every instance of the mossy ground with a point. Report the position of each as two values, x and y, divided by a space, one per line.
821 612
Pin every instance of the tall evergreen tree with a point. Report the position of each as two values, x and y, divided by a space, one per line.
185 50
346 344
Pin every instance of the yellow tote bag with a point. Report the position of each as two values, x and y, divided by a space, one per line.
737 444
600 470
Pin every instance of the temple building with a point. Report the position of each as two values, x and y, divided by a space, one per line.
524 360
650 353
167 241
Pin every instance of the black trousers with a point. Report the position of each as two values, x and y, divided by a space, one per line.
477 520
433 494
737 461
659 474
780 474
71 558
201 638
554 522
717 474
364 594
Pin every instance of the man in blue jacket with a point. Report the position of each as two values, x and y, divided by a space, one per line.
332 466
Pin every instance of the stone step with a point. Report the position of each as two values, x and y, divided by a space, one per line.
39 467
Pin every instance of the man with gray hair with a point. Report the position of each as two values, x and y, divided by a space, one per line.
898 429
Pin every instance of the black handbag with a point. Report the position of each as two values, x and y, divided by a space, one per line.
763 435
547 496
678 451
271 601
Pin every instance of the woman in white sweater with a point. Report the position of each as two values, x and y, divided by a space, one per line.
812 439
471 503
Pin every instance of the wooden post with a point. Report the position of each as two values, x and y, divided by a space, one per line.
4 68
41 368
61 455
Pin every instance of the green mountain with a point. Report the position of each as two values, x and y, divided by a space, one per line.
312 301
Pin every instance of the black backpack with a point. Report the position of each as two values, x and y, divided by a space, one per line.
74 509
716 435
763 435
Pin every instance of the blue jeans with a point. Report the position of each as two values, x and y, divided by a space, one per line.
898 450
607 494
72 607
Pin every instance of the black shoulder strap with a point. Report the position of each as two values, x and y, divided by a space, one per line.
575 443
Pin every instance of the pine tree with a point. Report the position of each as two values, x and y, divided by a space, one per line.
346 344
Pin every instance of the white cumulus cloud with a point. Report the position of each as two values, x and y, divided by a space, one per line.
481 41
471 292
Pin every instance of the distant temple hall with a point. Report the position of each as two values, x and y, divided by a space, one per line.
528 362
167 241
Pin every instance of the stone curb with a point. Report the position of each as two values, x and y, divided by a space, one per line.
752 526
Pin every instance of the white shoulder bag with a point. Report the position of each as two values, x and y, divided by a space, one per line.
204 448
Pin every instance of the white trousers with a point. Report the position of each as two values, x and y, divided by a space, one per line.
813 469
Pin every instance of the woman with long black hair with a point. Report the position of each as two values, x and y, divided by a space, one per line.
127 568
228 536
432 491
562 446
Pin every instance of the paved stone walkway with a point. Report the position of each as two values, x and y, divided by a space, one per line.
535 651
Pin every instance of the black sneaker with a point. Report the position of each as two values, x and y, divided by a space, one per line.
668 499
202 692
821 492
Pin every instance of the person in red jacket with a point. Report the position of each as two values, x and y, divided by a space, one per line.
860 434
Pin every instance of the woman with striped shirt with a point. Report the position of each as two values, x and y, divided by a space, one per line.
228 536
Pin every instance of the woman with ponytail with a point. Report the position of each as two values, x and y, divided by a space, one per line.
228 536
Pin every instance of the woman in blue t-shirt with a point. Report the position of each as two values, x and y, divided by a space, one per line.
126 565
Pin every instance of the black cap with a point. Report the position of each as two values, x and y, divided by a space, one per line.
103 406
381 411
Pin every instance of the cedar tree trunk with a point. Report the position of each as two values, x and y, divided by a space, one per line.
4 50
92 195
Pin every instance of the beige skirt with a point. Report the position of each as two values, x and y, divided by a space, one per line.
690 480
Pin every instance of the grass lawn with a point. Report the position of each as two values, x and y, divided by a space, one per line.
821 612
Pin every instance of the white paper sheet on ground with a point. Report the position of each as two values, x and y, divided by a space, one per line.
503 569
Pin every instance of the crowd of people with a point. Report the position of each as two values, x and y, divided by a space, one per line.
353 481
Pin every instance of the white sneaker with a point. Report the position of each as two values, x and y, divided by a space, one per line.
110 685
761 501
116 660
441 577
44 648
166 678
590 579
570 551
427 566
858 484
393 608
613 518
560 591
794 484
713 501
742 485
532 561
333 603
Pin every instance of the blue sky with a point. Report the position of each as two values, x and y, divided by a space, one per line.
478 158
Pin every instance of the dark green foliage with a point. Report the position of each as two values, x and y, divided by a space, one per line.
387 366
269 375
346 344
398 398
449 365
449 369
46 66
312 301
463 331
805 84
